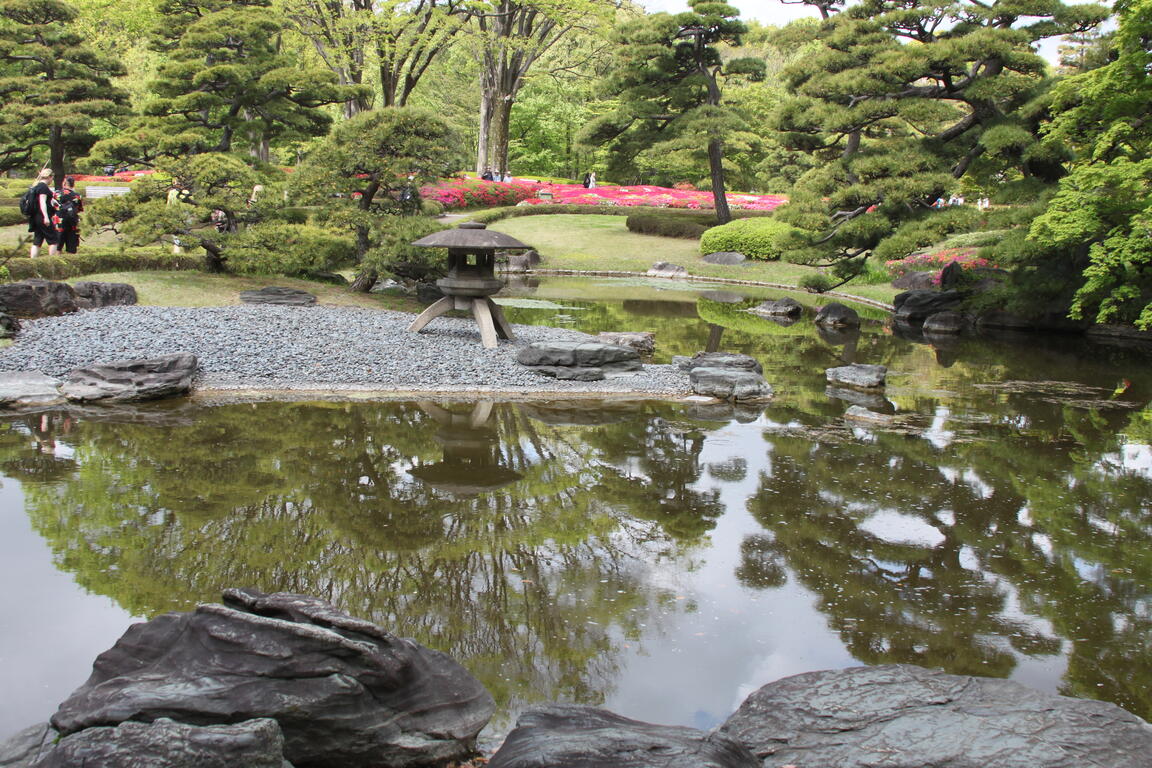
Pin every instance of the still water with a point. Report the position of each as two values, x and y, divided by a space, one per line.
662 560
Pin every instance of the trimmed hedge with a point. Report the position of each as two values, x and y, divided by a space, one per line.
10 216
756 238
670 225
94 260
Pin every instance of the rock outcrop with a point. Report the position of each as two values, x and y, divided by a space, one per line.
28 389
725 258
785 307
93 295
568 735
275 294
37 298
344 692
729 384
643 342
664 269
901 716
608 358
916 306
836 315
132 380
718 360
858 376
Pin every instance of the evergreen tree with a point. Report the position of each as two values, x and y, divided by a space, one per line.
667 81
1104 206
225 84
55 89
900 99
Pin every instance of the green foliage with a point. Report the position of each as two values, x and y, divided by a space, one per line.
393 253
54 89
665 225
96 260
756 238
817 282
926 230
10 215
279 248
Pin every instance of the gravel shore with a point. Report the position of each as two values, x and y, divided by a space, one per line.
334 349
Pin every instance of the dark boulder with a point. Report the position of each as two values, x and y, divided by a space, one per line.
729 384
132 380
25 747
785 307
718 360
345 693
9 326
428 293
837 315
945 323
901 716
168 744
725 258
37 298
583 737
914 306
916 281
90 295
583 354
275 294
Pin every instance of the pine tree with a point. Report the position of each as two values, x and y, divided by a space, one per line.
668 77
899 99
55 89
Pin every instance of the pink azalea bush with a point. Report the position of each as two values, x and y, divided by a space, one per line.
937 260
471 193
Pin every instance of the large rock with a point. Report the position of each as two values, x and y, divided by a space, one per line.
584 354
28 389
643 342
569 374
946 323
583 737
729 384
836 315
900 716
275 294
168 744
917 281
519 261
858 375
785 307
915 306
92 295
725 258
132 380
346 693
718 360
664 269
25 747
37 298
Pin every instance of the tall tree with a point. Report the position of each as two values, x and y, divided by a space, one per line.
900 98
1104 205
512 36
668 82
224 85
55 88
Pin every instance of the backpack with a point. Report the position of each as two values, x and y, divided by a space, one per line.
28 203
67 210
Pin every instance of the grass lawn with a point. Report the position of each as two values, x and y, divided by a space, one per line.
603 243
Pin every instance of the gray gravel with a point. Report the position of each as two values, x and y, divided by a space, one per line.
270 347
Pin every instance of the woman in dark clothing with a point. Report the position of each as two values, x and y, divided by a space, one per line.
40 221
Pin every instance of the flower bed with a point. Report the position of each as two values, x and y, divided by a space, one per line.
937 260
473 193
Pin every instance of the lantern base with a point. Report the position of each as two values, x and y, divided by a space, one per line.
487 313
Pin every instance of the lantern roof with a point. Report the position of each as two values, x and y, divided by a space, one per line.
471 235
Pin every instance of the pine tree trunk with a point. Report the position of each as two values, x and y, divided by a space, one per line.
716 166
364 281
500 127
56 154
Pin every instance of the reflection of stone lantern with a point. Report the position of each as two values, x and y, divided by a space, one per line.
472 460
471 278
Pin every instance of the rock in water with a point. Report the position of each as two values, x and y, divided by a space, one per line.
346 693
729 384
901 716
132 380
858 375
567 735
168 744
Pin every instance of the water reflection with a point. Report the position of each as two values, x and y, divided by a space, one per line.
613 553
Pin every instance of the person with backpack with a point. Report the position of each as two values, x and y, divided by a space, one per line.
67 218
36 205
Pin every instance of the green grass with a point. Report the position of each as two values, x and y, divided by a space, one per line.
201 289
603 243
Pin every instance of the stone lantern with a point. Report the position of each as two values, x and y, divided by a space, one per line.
471 278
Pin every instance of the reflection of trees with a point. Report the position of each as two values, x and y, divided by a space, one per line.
533 584
1047 543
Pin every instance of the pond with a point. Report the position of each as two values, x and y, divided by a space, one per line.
660 559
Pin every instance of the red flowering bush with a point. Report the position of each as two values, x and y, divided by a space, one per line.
473 193
937 260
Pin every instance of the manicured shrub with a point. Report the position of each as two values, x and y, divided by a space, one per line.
666 225
817 282
10 215
93 260
757 238
277 248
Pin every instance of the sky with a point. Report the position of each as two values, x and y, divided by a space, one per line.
776 13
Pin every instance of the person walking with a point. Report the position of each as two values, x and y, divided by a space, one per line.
40 220
66 220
